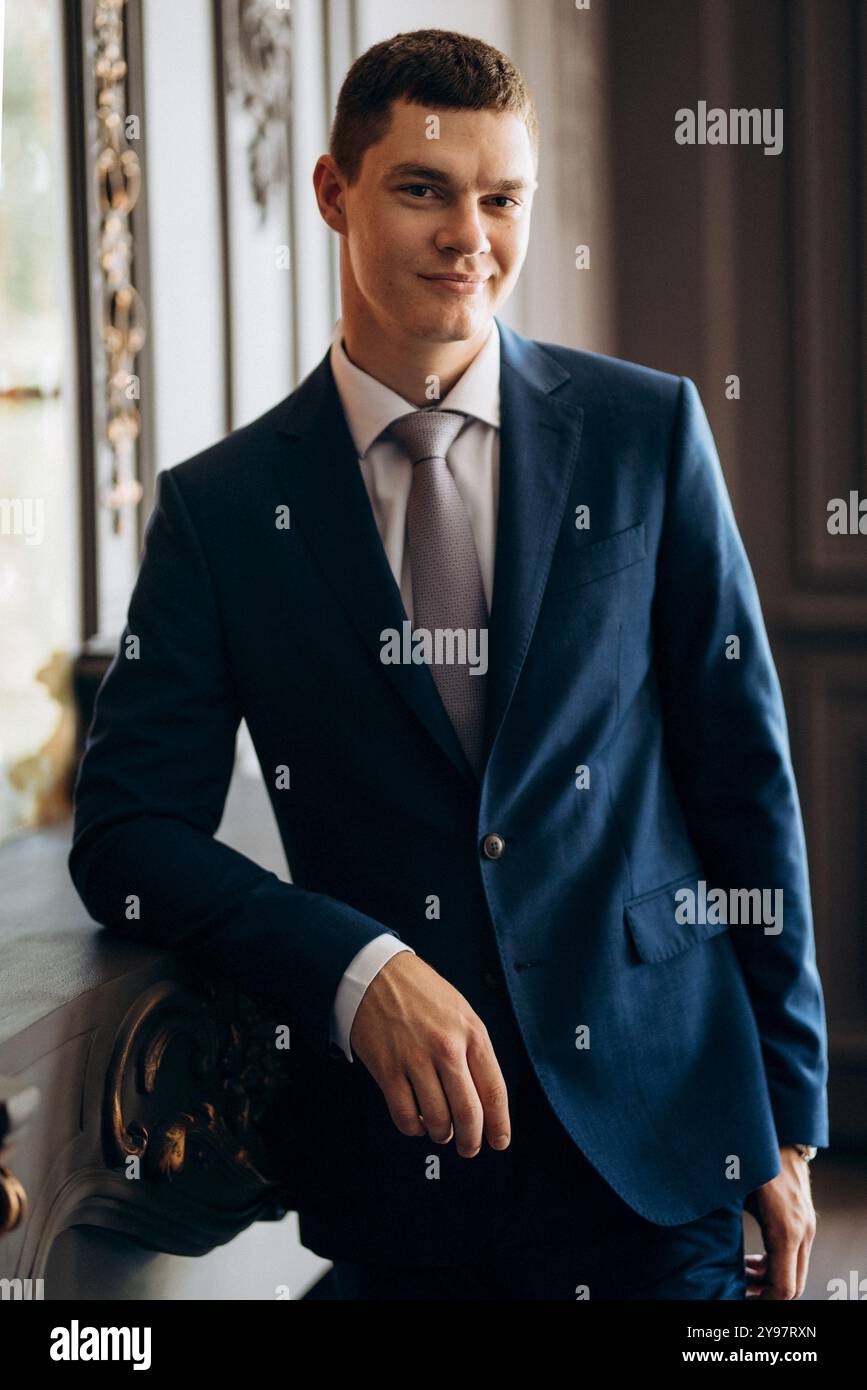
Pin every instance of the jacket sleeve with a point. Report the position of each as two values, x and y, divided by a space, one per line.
728 748
150 792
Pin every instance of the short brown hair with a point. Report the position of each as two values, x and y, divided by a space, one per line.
430 67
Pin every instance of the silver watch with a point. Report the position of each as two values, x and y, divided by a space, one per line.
807 1151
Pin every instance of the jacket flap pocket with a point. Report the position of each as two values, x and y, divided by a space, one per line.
592 561
663 924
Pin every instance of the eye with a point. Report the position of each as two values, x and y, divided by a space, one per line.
501 198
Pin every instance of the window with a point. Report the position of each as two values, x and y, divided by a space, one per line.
39 503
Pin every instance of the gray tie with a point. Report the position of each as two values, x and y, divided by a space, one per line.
447 584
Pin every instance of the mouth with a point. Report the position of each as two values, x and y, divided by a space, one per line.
456 283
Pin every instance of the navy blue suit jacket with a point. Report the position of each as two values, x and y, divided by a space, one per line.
707 1044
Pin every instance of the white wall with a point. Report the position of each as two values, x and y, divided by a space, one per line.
185 312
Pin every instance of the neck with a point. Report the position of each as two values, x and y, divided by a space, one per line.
407 365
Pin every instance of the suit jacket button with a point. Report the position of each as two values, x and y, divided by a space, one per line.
493 846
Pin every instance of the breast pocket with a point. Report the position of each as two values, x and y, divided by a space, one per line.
652 920
599 558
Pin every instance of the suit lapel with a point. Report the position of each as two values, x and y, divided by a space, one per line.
319 476
539 441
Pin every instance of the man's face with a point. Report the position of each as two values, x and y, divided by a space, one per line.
424 208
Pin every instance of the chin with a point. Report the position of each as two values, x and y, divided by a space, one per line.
453 324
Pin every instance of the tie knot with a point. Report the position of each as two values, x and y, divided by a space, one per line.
426 434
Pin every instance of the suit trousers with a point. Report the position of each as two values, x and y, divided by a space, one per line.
563 1233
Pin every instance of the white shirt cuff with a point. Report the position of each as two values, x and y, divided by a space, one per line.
356 977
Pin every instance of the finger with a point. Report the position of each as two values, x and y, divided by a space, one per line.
801 1268
432 1103
804 1260
403 1106
806 1252
491 1089
755 1276
756 1261
464 1105
782 1267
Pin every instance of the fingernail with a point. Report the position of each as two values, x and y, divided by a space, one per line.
501 1141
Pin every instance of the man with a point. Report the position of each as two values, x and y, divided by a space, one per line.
484 606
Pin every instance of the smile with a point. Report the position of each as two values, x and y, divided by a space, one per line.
454 286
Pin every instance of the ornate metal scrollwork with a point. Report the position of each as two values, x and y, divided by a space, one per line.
199 1094
117 173
13 1201
258 41
16 1106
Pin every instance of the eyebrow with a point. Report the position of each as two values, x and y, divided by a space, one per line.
428 174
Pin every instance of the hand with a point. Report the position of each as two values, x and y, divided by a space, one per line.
783 1208
431 1056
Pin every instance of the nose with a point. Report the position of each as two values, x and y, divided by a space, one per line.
462 230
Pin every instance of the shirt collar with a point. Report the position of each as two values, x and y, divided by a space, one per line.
370 406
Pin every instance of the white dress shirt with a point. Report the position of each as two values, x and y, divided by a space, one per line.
474 460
